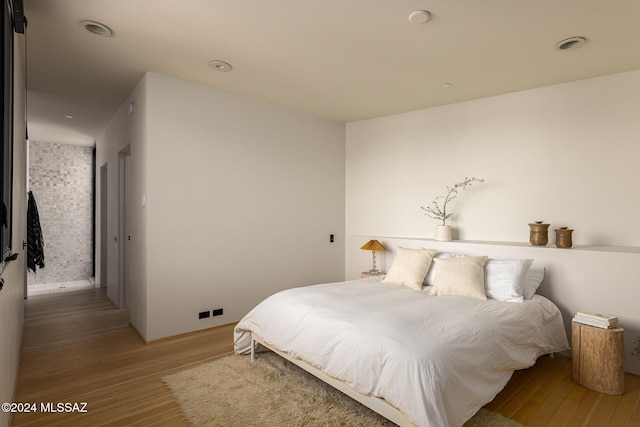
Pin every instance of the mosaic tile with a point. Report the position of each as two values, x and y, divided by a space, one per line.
61 179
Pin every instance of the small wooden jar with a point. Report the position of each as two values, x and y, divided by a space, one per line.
563 237
538 233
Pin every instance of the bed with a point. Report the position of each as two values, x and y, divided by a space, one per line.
415 356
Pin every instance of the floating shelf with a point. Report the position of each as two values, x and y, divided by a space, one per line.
597 248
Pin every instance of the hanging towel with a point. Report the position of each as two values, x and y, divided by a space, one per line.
35 241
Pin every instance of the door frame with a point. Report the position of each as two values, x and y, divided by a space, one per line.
124 173
104 238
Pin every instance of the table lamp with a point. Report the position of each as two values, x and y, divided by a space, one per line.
373 246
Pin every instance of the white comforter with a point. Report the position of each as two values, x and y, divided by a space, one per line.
438 359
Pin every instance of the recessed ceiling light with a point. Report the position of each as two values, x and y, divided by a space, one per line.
570 43
96 28
419 16
69 116
220 65
446 85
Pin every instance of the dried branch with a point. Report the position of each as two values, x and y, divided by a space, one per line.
438 209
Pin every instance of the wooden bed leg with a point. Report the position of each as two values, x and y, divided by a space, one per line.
253 350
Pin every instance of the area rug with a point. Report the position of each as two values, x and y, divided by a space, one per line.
232 391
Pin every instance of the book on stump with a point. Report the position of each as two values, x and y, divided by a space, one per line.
605 321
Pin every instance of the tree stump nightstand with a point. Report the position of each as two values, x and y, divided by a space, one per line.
598 358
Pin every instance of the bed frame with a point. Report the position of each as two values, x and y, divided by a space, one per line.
376 404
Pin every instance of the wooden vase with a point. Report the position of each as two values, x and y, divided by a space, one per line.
563 237
538 233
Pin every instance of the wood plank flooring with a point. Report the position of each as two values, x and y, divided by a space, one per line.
78 348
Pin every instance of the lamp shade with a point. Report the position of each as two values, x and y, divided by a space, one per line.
373 245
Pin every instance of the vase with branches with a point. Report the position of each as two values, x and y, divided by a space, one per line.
440 208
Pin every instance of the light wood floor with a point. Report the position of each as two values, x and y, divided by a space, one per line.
78 348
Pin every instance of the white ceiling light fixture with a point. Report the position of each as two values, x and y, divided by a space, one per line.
97 28
69 116
571 43
419 16
446 85
218 65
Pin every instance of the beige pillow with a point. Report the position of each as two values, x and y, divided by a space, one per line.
460 276
410 267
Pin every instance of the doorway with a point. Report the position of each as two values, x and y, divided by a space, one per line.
61 177
124 235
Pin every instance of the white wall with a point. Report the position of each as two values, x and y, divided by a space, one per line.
566 154
241 199
14 273
136 128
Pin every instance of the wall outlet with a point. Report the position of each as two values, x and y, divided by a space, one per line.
203 315
216 312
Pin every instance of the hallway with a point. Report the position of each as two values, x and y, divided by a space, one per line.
78 348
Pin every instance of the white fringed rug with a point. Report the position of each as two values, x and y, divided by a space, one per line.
232 391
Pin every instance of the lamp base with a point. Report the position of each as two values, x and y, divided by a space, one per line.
365 274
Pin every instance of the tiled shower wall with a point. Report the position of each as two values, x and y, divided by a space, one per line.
61 179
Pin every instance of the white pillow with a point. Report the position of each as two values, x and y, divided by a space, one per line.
462 276
409 267
431 274
504 278
532 281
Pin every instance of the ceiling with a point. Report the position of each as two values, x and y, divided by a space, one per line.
345 60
